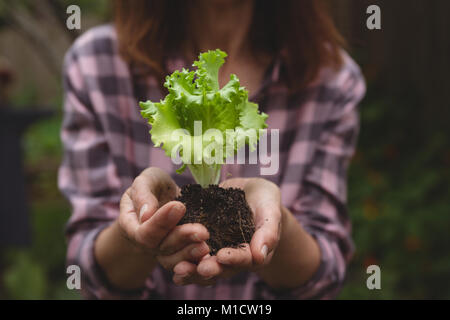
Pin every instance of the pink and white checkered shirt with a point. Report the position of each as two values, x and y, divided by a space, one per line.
107 144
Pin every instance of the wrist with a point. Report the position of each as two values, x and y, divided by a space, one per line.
130 246
296 257
125 266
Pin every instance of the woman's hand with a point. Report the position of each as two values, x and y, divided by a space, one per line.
263 198
146 232
281 252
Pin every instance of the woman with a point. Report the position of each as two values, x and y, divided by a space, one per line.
123 231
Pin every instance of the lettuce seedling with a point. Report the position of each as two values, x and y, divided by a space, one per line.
202 123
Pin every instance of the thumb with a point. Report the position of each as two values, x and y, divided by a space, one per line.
150 190
144 201
266 237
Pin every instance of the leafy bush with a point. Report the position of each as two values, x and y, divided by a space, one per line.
398 195
38 272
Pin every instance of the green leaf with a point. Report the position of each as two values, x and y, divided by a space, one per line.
25 278
208 66
194 98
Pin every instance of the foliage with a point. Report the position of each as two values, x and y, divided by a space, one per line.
398 196
38 272
398 199
225 115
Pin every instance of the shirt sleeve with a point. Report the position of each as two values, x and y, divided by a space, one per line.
319 204
88 179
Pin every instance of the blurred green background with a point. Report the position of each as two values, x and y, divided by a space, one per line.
399 178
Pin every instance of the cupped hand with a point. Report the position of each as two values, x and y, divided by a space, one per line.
149 216
264 200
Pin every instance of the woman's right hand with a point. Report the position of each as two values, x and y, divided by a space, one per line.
149 217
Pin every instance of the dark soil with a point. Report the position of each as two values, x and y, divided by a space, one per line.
224 212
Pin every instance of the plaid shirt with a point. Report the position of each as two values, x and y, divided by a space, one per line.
107 144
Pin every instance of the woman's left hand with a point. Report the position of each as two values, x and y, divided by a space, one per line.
264 200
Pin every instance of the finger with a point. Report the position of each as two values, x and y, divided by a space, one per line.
266 237
264 194
206 256
184 268
161 184
150 190
155 229
192 279
145 202
185 273
191 253
209 268
181 235
264 199
127 219
234 183
236 257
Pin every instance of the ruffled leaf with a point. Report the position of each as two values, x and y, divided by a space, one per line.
196 96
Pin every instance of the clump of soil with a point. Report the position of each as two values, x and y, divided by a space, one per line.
224 212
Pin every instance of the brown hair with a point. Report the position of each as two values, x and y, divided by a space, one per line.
301 31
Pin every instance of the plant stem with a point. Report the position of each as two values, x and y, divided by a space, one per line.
205 174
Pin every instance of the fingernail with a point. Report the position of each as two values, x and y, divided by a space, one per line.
141 213
183 275
195 237
175 210
207 271
264 250
196 252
